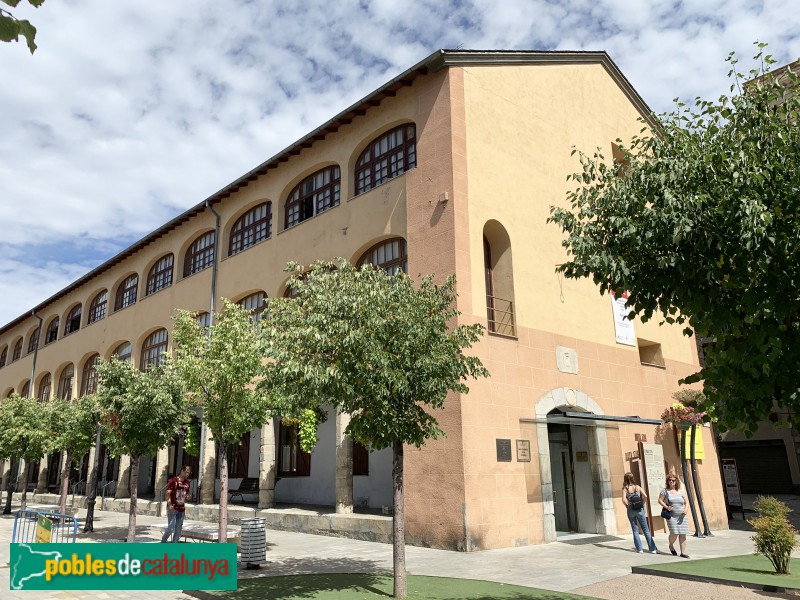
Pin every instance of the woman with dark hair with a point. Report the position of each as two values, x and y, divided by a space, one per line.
673 499
633 497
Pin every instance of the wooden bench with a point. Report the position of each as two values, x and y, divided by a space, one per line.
248 485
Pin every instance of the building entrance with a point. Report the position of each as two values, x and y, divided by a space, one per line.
563 474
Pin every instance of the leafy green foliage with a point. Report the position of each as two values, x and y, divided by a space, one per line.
775 536
140 411
73 425
701 223
371 344
11 27
191 443
25 428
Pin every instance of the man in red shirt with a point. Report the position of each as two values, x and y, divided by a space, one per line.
177 492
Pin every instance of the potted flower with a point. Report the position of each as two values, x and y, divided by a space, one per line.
682 416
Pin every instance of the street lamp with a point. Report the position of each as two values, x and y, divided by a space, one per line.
92 497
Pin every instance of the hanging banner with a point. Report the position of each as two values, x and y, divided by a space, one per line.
623 328
656 474
699 449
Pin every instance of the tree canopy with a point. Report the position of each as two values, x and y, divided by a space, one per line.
11 27
701 223
375 346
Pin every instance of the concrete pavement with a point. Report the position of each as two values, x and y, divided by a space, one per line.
572 562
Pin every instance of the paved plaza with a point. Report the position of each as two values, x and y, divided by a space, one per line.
572 563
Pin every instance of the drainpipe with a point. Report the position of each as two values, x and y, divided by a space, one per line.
35 352
210 322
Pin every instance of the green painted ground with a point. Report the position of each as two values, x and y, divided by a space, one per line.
747 569
371 586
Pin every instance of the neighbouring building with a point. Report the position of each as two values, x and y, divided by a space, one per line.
450 167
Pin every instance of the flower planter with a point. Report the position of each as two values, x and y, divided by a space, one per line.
683 425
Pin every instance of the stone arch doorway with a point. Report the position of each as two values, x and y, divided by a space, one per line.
597 478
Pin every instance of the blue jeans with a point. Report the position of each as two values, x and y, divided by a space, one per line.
637 518
175 524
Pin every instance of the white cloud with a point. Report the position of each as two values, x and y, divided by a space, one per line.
130 113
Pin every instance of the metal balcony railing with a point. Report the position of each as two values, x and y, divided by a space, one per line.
500 315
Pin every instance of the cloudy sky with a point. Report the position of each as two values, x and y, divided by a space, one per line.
131 112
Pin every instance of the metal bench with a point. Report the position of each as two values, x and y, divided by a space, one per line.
248 485
204 533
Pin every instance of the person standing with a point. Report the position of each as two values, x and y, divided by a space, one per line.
673 499
177 493
633 497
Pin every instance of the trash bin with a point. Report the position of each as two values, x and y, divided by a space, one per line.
254 542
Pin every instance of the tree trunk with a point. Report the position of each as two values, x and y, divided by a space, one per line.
398 523
26 472
134 483
65 471
223 493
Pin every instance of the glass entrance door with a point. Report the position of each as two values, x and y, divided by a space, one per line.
562 477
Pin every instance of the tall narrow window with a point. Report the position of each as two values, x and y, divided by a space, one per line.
499 279
17 350
200 254
292 461
160 275
65 382
315 194
44 388
3 356
89 379
33 340
73 320
98 306
204 319
153 349
255 303
392 154
252 227
390 255
360 459
126 292
123 352
26 389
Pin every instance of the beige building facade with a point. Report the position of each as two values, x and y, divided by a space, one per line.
449 168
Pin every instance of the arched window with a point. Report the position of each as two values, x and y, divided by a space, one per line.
204 319
17 350
33 340
44 388
389 255
200 254
123 352
3 357
51 335
255 303
65 382
315 194
153 349
26 389
499 276
252 227
392 154
89 379
160 275
126 292
97 309
73 320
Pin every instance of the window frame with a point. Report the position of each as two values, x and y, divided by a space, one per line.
89 375
33 340
17 352
245 235
64 391
73 321
124 357
45 385
311 197
299 461
98 308
386 160
258 309
3 357
127 292
360 455
200 255
153 349
160 275
390 266
26 389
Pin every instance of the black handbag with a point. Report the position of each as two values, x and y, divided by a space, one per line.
666 514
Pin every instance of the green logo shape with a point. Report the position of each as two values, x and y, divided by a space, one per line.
139 566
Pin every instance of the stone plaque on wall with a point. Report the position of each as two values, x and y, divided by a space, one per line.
503 450
567 360
523 451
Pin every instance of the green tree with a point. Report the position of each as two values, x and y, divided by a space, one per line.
11 27
377 347
24 433
73 427
701 223
217 367
140 411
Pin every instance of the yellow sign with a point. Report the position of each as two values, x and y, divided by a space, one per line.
44 528
699 450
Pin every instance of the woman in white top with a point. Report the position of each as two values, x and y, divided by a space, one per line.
673 499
